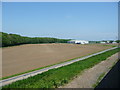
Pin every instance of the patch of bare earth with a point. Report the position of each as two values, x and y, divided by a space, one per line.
89 77
22 58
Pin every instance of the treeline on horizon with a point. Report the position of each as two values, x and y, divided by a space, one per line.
15 39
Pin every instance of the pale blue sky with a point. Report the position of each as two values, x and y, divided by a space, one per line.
86 21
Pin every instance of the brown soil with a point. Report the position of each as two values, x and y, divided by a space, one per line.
90 76
22 58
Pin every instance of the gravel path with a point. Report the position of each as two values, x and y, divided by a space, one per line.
90 76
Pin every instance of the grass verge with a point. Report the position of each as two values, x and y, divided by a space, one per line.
58 77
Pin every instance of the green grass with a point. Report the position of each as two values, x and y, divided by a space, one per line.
57 77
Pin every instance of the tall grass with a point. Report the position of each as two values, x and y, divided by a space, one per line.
57 77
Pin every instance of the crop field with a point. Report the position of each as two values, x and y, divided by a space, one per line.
60 76
22 58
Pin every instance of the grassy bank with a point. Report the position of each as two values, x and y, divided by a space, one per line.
57 77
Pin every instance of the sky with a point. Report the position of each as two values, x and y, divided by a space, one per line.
66 20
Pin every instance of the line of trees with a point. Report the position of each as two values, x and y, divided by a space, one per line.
118 41
94 41
14 39
110 41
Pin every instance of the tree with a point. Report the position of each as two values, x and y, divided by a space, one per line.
14 39
118 41
111 41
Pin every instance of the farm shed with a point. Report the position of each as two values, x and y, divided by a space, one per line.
78 41
103 42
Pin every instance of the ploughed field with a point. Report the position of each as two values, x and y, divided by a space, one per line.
27 57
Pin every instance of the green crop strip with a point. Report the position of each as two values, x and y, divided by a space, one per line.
57 77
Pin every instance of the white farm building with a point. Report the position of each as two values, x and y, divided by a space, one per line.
78 41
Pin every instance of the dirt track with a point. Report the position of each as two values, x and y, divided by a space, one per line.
89 77
22 58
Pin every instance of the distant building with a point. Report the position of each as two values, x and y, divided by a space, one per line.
102 42
78 41
108 42
114 42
